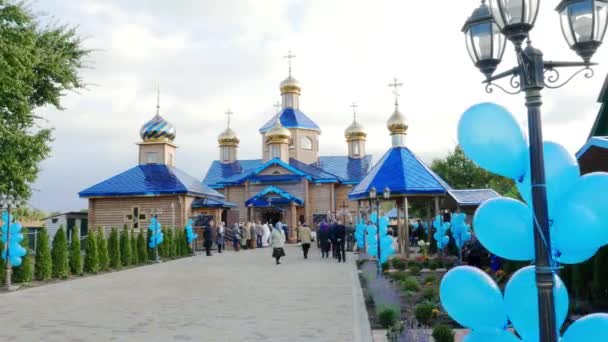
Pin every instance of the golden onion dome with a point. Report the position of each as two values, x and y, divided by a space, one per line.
355 131
290 85
228 138
397 123
278 133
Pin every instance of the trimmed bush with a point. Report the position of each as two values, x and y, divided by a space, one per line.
430 279
125 247
414 270
387 317
59 254
102 250
442 333
175 243
91 257
142 248
424 313
399 276
43 266
433 265
134 254
75 256
170 245
25 272
410 284
114 249
399 264
429 293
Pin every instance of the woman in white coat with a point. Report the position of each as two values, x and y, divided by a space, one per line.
277 240
265 235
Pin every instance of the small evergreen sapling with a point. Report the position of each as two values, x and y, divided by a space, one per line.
75 256
142 247
91 257
133 244
59 254
102 250
25 272
125 247
43 266
114 249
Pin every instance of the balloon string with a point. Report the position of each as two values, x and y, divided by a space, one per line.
552 264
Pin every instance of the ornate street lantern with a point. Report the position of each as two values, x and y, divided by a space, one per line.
515 18
387 193
583 24
372 192
485 43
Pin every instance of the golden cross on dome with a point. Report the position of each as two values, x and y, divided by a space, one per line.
354 107
289 57
228 114
395 85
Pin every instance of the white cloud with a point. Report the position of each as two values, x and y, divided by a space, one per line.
209 55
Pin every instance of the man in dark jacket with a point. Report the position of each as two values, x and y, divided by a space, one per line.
208 236
340 239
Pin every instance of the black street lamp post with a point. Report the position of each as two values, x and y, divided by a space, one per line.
583 24
7 201
374 196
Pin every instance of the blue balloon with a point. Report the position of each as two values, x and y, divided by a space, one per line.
495 335
561 172
15 261
582 213
504 227
574 257
491 137
521 300
373 217
591 328
472 298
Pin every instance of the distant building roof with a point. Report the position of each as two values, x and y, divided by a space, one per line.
212 203
593 156
149 180
472 197
403 173
70 213
334 169
292 118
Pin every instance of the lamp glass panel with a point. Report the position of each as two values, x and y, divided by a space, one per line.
581 19
498 43
496 12
470 49
532 11
601 17
482 40
512 10
566 29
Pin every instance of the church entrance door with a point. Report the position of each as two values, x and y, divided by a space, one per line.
272 215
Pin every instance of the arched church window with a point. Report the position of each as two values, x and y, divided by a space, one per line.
355 148
275 151
306 143
225 154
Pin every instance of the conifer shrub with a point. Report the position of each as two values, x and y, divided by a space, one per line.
91 256
43 267
429 293
399 264
142 248
414 270
169 250
442 333
114 249
125 247
424 312
24 273
133 244
102 250
59 254
410 284
387 317
75 256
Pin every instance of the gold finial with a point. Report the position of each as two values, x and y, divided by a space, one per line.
228 114
354 107
157 99
289 57
395 85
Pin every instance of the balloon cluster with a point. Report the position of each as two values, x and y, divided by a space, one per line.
190 235
386 242
505 227
360 233
576 204
14 249
156 237
441 229
461 232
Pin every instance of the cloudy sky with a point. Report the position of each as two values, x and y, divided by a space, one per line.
208 56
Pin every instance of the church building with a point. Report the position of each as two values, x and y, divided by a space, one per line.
291 181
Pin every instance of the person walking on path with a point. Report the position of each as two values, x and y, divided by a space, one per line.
208 236
306 239
245 235
219 239
332 239
340 236
251 240
324 239
236 236
277 241
259 232
265 235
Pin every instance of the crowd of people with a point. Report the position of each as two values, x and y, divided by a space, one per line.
330 236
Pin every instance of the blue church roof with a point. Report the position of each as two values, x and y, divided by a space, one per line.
150 179
209 202
401 171
292 118
263 198
335 169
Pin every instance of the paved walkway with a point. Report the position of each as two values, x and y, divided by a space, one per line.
227 297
